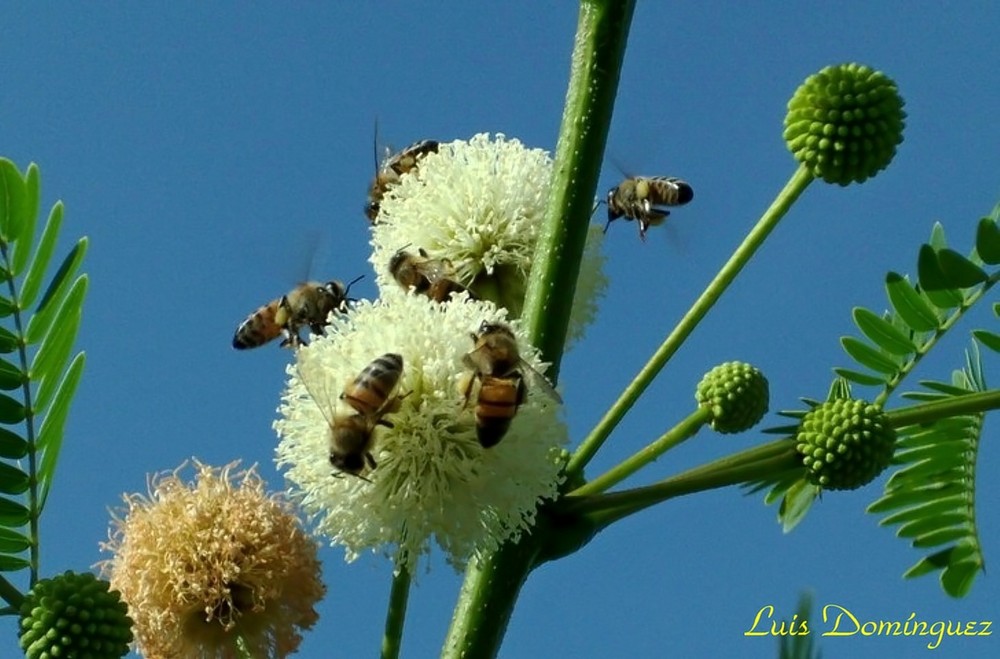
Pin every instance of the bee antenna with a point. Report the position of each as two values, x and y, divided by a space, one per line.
352 283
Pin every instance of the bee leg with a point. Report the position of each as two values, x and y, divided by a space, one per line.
292 340
370 460
522 393
465 387
383 422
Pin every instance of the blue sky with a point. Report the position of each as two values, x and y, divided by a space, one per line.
199 146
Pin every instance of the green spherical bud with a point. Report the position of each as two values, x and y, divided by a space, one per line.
737 395
74 615
845 122
845 444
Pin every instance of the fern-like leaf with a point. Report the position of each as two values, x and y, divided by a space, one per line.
949 284
930 497
38 371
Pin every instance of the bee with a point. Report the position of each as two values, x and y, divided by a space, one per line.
389 171
370 395
637 197
497 364
427 276
308 303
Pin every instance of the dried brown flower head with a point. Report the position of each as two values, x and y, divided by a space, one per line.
210 565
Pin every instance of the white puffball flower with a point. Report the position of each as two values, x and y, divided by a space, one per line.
433 479
479 205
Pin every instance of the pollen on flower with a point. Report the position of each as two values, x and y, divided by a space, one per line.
478 205
432 479
206 565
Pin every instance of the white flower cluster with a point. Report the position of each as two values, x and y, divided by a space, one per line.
476 206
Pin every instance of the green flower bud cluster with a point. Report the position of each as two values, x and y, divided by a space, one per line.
737 395
845 444
845 122
74 615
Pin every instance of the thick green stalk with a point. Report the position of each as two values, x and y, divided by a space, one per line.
686 429
492 583
395 615
795 186
487 600
602 33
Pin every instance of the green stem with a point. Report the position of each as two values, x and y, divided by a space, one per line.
687 428
493 582
753 464
976 403
395 615
601 36
795 186
486 601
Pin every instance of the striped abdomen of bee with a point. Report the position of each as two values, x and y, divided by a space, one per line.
370 392
259 327
496 406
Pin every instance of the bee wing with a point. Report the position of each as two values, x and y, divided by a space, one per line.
541 381
318 389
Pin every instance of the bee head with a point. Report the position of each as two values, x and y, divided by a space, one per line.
350 463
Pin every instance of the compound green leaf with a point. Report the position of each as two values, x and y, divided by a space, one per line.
12 542
11 377
939 537
988 339
882 333
909 304
13 563
26 237
11 411
933 282
938 239
50 436
12 445
988 241
958 577
960 271
13 514
868 356
920 528
43 255
57 345
857 377
6 307
9 342
51 303
914 496
12 479
13 201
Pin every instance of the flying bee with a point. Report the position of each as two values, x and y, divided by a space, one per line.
389 171
431 277
308 304
496 363
637 198
352 435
